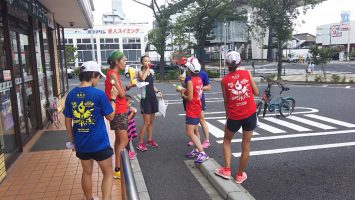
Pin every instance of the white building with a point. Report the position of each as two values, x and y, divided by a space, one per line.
132 38
116 16
336 34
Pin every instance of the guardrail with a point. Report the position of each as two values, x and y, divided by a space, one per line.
128 183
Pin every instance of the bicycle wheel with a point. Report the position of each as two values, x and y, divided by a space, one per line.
287 107
265 108
258 108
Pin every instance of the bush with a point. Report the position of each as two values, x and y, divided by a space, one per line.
271 77
335 78
343 80
318 78
351 80
212 74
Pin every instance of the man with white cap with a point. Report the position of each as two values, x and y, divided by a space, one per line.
85 107
238 89
192 94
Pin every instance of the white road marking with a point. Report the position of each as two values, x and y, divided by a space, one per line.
311 123
287 124
308 110
218 133
270 128
330 120
212 101
180 100
240 130
292 136
325 86
347 86
296 149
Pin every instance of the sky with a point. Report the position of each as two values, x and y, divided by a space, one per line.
324 13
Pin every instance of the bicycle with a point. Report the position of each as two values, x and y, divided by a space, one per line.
285 106
53 114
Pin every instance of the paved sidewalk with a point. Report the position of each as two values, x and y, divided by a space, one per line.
50 175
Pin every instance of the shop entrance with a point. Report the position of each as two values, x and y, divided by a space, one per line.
23 72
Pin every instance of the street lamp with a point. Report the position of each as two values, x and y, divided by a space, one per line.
225 48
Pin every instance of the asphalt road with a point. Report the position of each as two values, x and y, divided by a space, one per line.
312 159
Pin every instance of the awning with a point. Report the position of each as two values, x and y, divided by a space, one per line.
71 13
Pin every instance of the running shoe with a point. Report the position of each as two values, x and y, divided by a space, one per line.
190 143
206 144
241 179
117 175
192 154
141 147
152 143
202 157
222 172
131 155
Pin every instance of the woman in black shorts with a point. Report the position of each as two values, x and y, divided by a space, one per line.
149 105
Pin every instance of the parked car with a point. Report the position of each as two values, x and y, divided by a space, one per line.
167 67
70 73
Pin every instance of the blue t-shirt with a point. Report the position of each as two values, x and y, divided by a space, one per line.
87 106
205 81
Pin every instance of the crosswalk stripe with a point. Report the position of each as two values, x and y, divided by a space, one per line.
218 133
292 136
311 123
240 130
295 149
330 120
270 128
287 124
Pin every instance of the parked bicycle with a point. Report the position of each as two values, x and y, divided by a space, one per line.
284 105
53 114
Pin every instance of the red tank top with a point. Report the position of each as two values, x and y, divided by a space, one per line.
121 104
194 107
240 98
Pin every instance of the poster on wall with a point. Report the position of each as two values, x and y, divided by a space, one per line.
336 31
6 112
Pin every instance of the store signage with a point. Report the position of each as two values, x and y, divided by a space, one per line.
345 17
32 7
336 31
114 31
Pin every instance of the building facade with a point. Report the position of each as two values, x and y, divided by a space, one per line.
32 66
97 43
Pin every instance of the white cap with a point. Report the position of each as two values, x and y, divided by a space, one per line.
233 56
92 66
193 65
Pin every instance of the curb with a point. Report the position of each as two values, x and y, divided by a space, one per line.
138 176
228 189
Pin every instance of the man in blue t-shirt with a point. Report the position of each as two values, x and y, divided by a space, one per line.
85 109
206 87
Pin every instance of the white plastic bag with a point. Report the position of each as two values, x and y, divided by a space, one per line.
162 106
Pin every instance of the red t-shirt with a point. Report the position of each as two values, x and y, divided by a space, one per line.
121 104
194 107
239 93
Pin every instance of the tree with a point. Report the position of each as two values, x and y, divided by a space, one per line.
278 16
201 17
321 56
70 54
162 14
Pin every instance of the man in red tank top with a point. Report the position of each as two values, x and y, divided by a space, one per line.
192 95
238 89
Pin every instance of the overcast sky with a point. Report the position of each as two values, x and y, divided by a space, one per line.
327 12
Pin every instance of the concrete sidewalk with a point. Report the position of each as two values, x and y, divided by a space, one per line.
50 175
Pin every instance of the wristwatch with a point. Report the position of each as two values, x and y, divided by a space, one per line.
113 100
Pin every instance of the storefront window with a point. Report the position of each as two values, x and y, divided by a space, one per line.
7 133
40 71
132 49
47 60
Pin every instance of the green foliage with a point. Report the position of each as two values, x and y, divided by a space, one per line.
277 16
352 55
271 76
335 78
212 74
200 18
343 80
318 78
70 54
351 80
321 56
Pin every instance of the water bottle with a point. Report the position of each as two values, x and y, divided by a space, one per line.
178 87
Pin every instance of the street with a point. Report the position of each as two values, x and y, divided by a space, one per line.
308 155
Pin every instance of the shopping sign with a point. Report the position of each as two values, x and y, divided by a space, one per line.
336 31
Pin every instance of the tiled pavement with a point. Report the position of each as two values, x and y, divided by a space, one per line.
50 175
